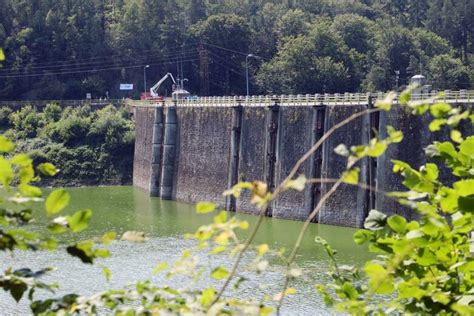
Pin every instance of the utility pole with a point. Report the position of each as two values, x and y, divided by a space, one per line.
203 71
247 71
397 77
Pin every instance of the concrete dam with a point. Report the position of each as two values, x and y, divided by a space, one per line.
193 150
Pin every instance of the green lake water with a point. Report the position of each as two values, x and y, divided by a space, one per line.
126 208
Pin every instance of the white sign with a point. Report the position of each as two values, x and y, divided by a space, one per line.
126 86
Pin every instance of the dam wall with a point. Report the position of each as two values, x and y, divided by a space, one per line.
205 150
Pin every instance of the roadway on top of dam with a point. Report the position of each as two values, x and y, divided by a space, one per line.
453 97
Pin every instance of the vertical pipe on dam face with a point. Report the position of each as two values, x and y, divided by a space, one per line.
234 154
372 168
169 154
317 131
156 151
272 118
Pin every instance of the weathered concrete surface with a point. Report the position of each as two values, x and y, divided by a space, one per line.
202 154
294 139
252 153
142 159
410 150
348 206
201 169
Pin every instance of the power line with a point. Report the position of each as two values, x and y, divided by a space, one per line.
11 70
222 62
95 70
227 61
109 56
234 51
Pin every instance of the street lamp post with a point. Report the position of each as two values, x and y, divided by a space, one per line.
397 77
247 71
144 77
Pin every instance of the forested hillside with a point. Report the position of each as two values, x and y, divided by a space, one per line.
65 49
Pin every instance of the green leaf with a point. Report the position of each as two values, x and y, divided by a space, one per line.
160 267
430 171
83 251
17 289
405 97
397 223
342 150
298 184
417 233
220 218
349 291
448 149
376 149
79 220
351 176
449 200
464 187
244 225
394 135
56 201
22 160
456 136
218 249
220 273
56 228
379 280
441 297
205 207
107 273
47 169
262 249
108 237
375 221
207 296
440 109
329 250
386 103
467 147
436 124
361 236
6 145
6 172
466 204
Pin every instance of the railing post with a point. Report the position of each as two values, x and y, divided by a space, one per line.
169 153
271 148
234 154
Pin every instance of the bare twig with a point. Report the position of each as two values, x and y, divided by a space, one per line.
301 235
281 187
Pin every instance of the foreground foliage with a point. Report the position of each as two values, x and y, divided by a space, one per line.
426 265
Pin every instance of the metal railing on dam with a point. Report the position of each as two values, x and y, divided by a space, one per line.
462 96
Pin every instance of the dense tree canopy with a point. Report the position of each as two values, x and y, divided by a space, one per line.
65 49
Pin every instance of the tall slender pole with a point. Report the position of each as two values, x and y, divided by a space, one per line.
397 77
144 78
247 72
